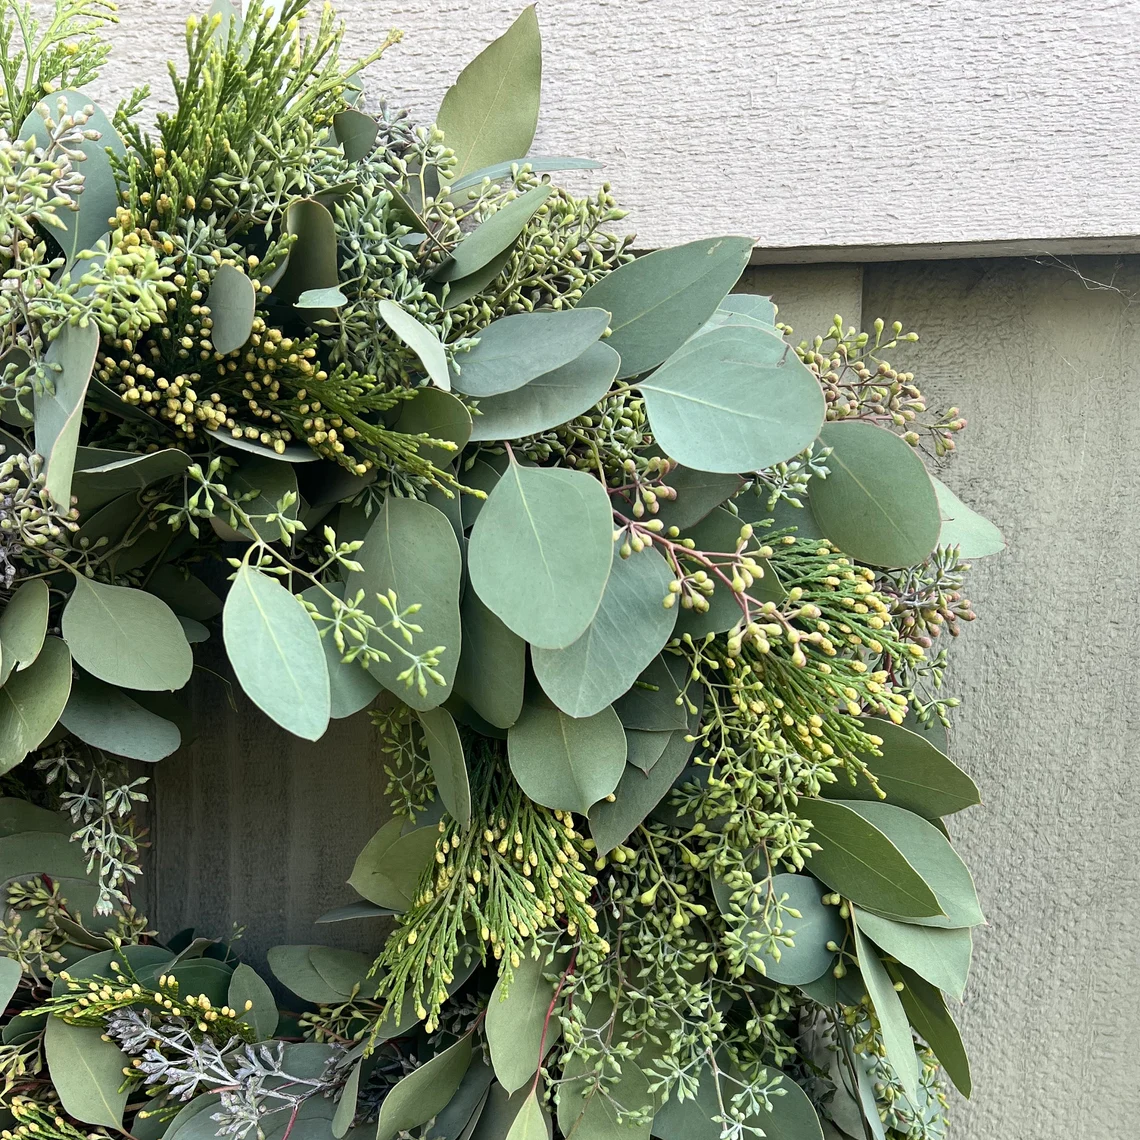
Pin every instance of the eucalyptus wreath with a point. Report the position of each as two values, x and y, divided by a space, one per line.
646 598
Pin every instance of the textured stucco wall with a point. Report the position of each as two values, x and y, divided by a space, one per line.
803 123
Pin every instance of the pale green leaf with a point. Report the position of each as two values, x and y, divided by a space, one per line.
520 1027
346 1106
31 702
504 170
10 974
490 113
102 475
330 297
493 235
436 414
736 399
448 766
232 301
630 628
424 1092
276 652
351 686
975 536
878 503
893 1022
289 455
86 1071
247 985
564 763
531 1123
658 301
23 627
345 971
549 400
106 717
461 291
540 552
942 957
294 969
388 870
59 413
422 340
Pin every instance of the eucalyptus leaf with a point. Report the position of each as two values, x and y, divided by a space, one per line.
942 957
630 628
344 970
892 1019
19 815
436 414
10 974
912 772
461 291
356 132
102 475
975 536
247 986
86 1071
532 1123
351 686
462 1111
330 297
549 400
105 717
31 702
353 911
493 235
424 1092
516 349
655 702
276 652
926 1009
23 627
736 399
859 862
540 552
422 340
448 766
59 413
503 170
346 1106
519 1026
658 301
492 665
490 113
877 503
697 493
564 763
288 455
752 305
411 549
293 968
232 301
643 749
312 261
388 870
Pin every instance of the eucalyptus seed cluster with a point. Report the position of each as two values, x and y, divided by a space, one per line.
859 384
32 527
927 600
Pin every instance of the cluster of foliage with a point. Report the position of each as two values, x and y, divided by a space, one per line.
643 597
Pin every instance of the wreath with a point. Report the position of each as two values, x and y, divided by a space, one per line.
646 597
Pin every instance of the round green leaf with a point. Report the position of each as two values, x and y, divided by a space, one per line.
343 970
549 400
105 717
424 1092
126 637
655 704
808 957
862 864
630 628
517 1016
490 113
293 968
975 536
356 132
448 766
736 399
437 415
388 870
878 503
942 957
565 763
657 302
540 552
31 702
276 652
86 1071
411 548
514 350
232 301
495 234
420 339
247 985
23 627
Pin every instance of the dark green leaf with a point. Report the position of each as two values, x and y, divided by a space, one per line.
658 301
697 494
975 536
422 340
736 399
356 132
293 968
532 1123
461 291
23 627
346 1106
926 1009
448 766
929 852
276 652
437 415
424 1092
892 1020
565 763
912 772
859 862
492 666
541 551
247 986
490 113
59 413
390 867
411 549
31 702
19 815
232 301
462 1111
878 503
630 628
549 400
102 475
186 595
644 749
519 1025
105 717
31 853
312 257
808 957
655 703
516 349
354 911
351 686
942 957
492 236
503 170
86 1071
